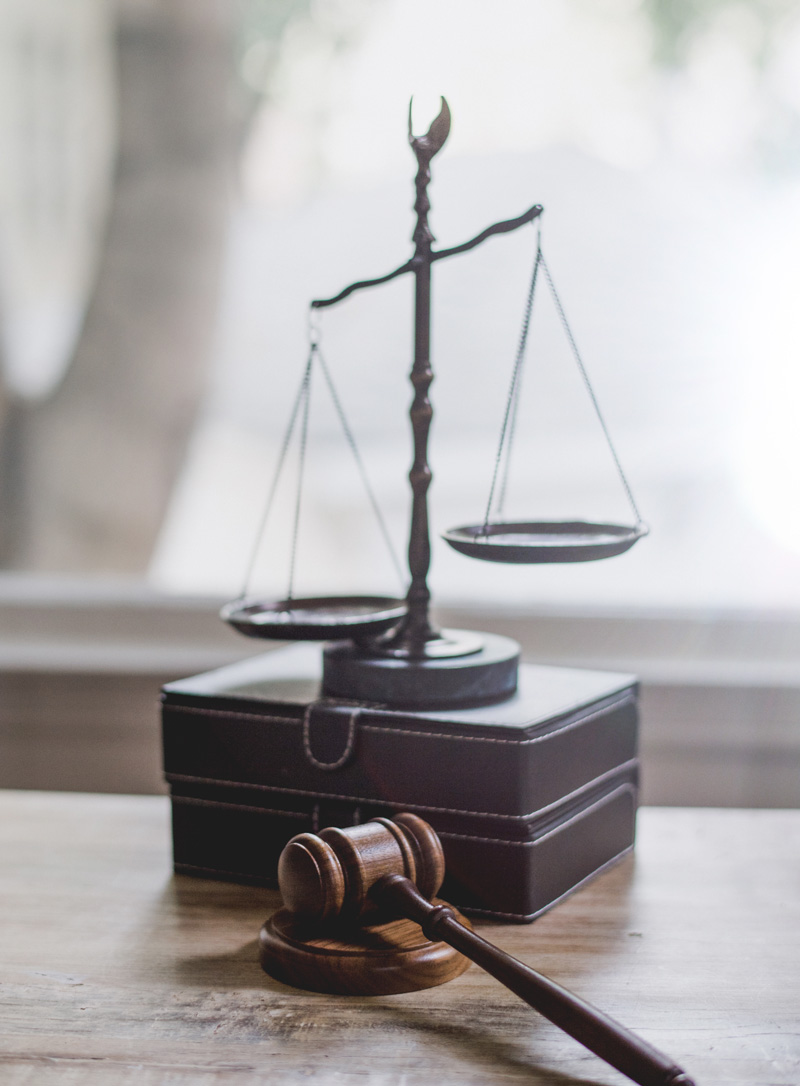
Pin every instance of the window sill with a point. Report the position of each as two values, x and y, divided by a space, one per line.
82 661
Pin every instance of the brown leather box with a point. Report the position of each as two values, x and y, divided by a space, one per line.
530 797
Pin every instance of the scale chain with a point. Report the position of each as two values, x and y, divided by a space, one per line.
513 397
582 368
512 404
276 476
512 427
501 500
348 433
302 400
301 467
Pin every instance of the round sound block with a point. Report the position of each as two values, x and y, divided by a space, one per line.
373 959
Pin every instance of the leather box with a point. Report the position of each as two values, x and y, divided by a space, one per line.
530 797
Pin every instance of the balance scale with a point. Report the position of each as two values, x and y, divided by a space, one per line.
387 650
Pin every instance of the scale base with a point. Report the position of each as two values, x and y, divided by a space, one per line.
483 677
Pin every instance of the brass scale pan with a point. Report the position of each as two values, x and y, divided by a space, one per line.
534 542
331 618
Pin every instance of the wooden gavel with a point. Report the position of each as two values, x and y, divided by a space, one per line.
338 886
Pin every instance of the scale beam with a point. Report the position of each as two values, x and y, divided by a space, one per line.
498 228
504 227
321 303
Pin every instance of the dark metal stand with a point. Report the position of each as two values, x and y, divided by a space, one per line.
449 681
415 647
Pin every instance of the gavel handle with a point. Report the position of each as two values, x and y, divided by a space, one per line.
599 1033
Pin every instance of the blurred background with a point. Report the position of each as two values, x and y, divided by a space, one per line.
178 178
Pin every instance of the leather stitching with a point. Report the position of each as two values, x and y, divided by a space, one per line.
349 745
632 763
378 729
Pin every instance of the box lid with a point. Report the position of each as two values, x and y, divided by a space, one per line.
289 679
259 724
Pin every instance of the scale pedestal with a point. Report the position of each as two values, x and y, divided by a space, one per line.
481 671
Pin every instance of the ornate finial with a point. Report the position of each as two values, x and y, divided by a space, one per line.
425 147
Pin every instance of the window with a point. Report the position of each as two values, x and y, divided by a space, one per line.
664 142
667 160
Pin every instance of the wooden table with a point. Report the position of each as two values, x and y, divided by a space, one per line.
114 971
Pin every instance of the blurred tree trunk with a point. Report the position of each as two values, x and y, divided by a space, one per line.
10 488
89 472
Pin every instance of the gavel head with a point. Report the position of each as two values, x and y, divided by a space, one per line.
330 875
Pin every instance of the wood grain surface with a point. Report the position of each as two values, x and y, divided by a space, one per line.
114 971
